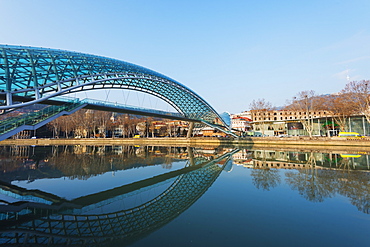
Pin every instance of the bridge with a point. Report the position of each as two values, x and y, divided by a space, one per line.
62 222
30 75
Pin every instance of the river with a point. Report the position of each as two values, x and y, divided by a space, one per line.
183 196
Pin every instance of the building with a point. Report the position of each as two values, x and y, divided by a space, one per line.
286 115
289 122
241 121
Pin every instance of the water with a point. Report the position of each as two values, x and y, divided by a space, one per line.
181 196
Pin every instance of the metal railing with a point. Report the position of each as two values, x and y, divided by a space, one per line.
129 107
33 118
115 105
36 117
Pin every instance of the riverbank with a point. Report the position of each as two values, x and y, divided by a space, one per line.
265 141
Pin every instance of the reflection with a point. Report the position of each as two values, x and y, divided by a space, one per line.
265 178
111 215
350 155
82 162
41 218
316 175
310 184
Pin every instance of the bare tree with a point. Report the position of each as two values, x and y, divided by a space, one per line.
306 102
360 94
150 126
55 127
102 119
260 105
120 122
130 125
341 108
81 122
66 125
259 109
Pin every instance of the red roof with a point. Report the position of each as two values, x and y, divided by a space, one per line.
244 118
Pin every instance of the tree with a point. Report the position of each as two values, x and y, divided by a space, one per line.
81 121
261 104
360 95
66 125
130 125
102 120
150 126
306 102
259 109
55 127
120 122
341 108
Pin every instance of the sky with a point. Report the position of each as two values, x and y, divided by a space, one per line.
228 52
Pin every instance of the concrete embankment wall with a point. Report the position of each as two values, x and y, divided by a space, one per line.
265 141
114 141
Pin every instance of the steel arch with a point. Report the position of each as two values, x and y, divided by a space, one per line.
41 73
